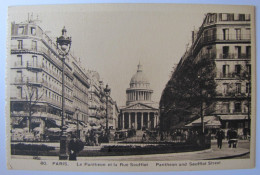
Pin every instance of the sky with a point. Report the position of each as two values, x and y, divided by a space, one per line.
112 39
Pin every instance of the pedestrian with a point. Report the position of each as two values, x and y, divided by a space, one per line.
73 148
220 135
245 133
144 137
232 138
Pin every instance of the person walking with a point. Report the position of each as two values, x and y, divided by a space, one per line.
232 138
74 147
220 135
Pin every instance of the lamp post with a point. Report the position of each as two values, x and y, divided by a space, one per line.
77 115
107 91
201 107
63 45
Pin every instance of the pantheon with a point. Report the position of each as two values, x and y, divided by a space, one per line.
140 111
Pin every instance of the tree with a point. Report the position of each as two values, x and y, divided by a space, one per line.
192 84
32 99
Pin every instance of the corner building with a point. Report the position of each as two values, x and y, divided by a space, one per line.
226 38
140 111
36 84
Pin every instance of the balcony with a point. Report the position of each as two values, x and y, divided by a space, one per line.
234 56
92 106
29 81
232 75
40 50
34 66
205 40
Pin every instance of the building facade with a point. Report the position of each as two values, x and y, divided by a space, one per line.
140 111
36 85
224 38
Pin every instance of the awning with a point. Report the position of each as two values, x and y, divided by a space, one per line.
234 117
209 122
82 123
54 129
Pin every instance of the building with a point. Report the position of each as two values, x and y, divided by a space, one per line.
36 85
140 111
224 39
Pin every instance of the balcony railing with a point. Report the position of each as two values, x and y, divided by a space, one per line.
220 37
234 56
28 80
229 75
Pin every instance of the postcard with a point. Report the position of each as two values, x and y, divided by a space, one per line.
130 87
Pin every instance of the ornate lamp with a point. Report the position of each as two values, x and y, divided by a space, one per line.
107 91
63 46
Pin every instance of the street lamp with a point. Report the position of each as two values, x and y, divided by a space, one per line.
107 91
77 115
201 107
63 46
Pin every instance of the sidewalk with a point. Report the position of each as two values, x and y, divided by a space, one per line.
213 153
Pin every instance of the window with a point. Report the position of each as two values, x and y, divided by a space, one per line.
33 31
248 33
20 91
238 69
21 30
237 107
35 60
225 51
225 88
236 17
225 108
34 45
225 70
20 44
248 88
20 60
248 51
225 34
238 88
224 17
238 51
36 94
238 34
248 67
242 17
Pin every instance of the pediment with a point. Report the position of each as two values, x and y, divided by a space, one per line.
139 106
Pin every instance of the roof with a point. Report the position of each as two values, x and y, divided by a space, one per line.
234 117
209 121
139 76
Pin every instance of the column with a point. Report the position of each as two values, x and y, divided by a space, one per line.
135 120
154 120
129 121
149 120
157 119
142 120
123 121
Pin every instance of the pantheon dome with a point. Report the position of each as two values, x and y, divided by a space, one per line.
139 90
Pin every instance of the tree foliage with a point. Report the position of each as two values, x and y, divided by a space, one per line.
191 84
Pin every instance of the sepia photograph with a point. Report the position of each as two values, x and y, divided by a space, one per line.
130 87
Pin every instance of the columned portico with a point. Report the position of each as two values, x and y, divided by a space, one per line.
146 119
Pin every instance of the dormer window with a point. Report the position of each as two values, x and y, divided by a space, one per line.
21 30
33 30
